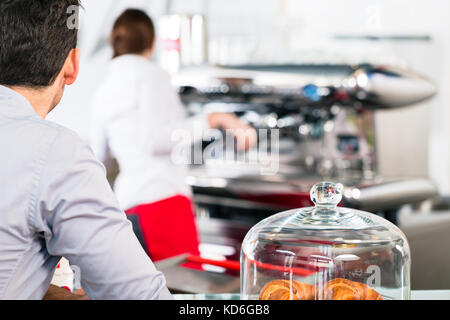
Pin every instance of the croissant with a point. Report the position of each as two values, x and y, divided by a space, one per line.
343 289
337 289
288 290
368 293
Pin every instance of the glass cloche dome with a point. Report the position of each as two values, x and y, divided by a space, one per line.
325 253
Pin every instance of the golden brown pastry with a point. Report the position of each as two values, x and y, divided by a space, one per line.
343 289
368 293
281 290
337 289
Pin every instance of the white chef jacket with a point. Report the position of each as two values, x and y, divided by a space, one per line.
135 113
56 202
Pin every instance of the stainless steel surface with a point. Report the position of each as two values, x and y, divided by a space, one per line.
377 87
385 195
382 87
182 280
371 195
324 117
187 280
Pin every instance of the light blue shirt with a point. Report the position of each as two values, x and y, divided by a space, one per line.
55 202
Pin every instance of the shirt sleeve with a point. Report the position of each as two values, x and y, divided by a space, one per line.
79 217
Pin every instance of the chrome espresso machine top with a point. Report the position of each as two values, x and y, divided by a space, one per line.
323 117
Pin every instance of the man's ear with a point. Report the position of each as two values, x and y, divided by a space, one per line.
72 67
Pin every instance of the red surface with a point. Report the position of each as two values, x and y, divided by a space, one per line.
284 269
285 200
235 265
227 264
168 227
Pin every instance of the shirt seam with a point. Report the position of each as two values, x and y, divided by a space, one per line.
37 179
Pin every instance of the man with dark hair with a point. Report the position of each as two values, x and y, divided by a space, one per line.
55 199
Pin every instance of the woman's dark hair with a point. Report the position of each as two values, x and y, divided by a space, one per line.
35 40
133 33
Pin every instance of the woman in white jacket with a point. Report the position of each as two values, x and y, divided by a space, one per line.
135 112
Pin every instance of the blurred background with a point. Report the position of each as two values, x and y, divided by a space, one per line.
247 56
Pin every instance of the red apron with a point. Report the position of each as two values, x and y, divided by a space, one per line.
166 228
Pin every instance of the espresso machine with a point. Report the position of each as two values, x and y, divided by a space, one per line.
316 123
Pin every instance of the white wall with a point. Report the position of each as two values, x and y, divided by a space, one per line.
413 141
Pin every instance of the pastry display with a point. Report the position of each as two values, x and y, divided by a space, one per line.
343 289
325 252
337 289
282 290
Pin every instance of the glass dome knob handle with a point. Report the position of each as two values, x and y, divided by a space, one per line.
327 194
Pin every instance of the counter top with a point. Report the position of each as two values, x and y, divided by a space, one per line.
416 295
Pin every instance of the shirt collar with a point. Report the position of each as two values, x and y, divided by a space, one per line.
126 59
14 104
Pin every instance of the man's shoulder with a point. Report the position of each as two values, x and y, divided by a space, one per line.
56 130
61 141
68 141
68 152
